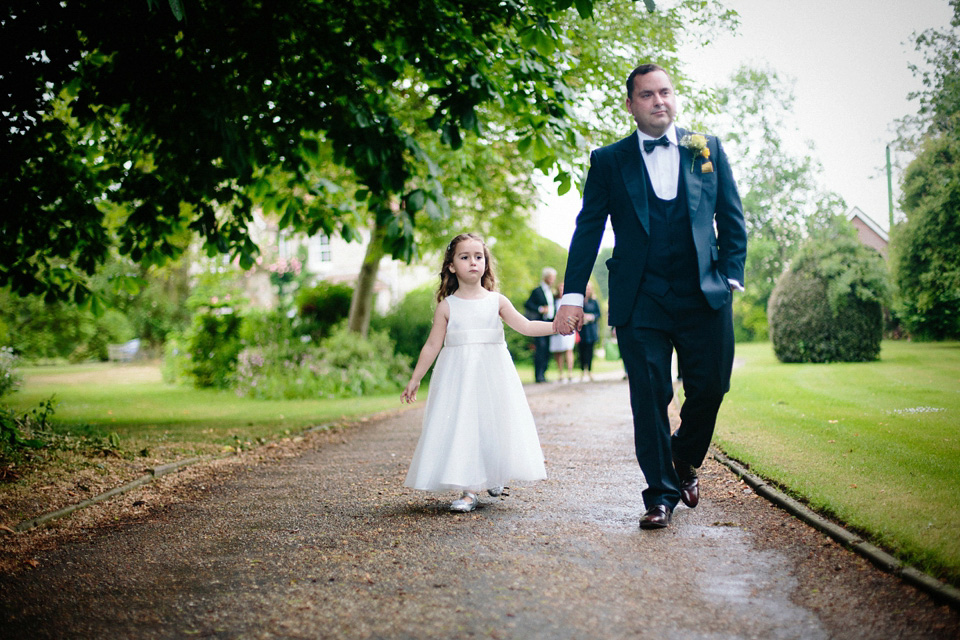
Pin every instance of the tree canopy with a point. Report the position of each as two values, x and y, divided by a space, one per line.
136 126
184 122
926 246
784 200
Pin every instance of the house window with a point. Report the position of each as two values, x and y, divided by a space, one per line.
320 248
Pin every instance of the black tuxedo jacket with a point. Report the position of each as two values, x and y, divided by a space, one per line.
616 188
532 306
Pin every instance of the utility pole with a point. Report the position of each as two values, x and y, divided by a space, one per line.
889 190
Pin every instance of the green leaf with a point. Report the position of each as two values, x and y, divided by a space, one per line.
544 44
131 284
451 136
469 121
541 147
348 233
177 8
416 200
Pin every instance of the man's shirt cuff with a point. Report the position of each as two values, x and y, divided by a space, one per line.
572 299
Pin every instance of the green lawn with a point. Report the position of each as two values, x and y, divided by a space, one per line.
132 401
877 445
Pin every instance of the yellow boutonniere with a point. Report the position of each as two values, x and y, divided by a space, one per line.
697 143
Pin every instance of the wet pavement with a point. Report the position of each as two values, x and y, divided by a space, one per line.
329 544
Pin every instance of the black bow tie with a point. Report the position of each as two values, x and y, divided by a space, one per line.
650 145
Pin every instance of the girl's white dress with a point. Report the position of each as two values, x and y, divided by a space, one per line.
478 432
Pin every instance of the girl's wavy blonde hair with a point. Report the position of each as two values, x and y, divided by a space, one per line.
448 280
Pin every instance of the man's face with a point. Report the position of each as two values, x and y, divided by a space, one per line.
653 104
549 279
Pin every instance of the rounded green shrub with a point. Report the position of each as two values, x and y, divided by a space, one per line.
321 307
213 343
827 307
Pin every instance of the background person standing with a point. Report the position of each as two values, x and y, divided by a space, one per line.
589 333
540 306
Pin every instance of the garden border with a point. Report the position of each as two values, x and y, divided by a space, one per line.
155 472
880 558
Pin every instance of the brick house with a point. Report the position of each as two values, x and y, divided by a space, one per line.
869 231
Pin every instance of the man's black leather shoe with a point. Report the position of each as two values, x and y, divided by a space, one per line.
656 517
689 483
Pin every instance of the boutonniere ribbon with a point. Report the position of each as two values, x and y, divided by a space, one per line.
697 143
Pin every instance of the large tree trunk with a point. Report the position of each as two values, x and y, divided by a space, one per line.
361 306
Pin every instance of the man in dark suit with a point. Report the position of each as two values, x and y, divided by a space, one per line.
680 246
540 306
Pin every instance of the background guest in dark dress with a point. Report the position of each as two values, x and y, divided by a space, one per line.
589 335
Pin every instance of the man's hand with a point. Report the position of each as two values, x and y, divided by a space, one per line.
569 318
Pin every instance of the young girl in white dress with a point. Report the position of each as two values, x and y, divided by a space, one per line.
478 433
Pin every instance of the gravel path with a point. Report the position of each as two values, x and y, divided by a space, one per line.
327 543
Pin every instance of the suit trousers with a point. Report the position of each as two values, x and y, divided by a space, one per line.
541 357
703 339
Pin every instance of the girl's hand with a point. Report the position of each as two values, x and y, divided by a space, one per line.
409 394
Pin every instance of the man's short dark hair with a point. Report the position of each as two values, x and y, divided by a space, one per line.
643 70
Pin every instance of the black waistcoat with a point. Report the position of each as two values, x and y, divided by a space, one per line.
672 258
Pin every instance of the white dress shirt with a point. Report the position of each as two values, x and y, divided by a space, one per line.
663 164
548 293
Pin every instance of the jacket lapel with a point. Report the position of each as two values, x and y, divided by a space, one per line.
692 180
632 170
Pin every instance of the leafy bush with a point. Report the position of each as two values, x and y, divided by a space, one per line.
749 320
176 360
925 254
214 343
408 324
521 347
344 365
112 327
261 328
153 300
321 307
828 306
31 437
19 432
10 378
42 330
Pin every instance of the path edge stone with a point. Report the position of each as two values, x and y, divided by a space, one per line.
939 590
153 473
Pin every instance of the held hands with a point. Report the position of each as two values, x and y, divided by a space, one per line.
409 394
569 318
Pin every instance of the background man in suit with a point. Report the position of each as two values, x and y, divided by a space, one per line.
540 306
679 251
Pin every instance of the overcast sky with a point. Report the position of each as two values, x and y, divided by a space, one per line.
849 60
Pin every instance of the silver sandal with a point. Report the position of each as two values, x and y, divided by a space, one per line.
467 502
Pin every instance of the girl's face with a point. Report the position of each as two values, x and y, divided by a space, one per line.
469 262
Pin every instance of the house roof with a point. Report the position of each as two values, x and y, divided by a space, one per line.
855 212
